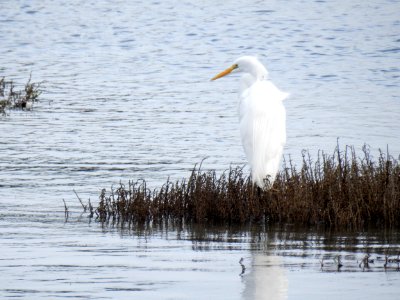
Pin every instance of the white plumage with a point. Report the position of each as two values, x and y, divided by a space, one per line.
262 119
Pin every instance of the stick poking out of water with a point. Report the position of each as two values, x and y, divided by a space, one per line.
66 212
80 200
243 266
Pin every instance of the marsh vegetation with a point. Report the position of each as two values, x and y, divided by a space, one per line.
341 190
10 98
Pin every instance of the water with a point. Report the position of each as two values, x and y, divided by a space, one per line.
127 96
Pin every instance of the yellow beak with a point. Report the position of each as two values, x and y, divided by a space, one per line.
225 72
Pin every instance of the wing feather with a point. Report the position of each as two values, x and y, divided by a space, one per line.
263 129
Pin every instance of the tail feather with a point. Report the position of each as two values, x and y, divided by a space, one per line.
264 174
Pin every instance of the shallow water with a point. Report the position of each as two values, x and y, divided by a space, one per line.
72 260
127 96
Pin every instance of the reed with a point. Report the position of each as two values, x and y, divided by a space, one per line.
337 191
18 99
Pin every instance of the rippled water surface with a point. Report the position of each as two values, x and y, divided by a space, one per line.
127 95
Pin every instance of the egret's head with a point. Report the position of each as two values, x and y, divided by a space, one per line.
246 64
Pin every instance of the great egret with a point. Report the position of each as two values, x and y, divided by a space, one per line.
262 119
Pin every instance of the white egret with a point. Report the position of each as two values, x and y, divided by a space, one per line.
262 119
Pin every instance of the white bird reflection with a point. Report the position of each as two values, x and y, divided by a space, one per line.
266 279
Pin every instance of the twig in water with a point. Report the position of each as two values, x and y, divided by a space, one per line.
90 209
80 200
243 266
66 212
337 260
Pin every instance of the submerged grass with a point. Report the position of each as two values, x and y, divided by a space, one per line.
336 191
18 99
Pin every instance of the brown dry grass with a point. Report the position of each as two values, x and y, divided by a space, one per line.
335 191
14 99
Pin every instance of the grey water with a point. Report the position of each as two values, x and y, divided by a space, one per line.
127 95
